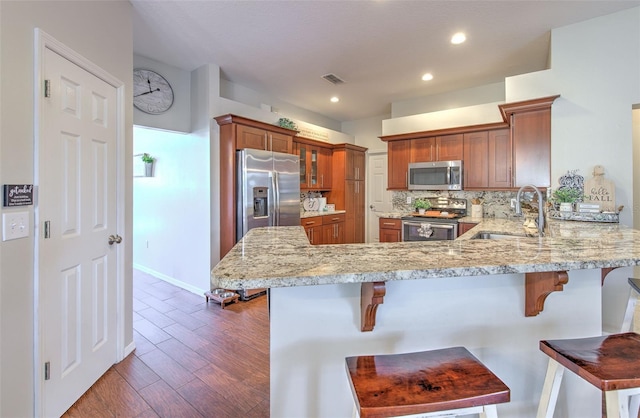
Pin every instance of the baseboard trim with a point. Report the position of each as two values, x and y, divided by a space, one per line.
168 279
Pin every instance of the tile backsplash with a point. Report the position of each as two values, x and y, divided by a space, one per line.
495 204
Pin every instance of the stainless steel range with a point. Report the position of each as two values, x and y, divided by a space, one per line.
440 222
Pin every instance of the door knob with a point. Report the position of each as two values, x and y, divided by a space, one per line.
115 239
372 207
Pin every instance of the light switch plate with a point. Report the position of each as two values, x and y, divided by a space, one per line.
15 225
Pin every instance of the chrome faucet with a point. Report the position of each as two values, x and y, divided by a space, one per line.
540 207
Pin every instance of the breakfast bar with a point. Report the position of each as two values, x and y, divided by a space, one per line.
497 296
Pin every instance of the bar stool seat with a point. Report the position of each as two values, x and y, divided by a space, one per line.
426 383
610 363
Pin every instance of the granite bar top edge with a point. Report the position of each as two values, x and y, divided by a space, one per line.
282 256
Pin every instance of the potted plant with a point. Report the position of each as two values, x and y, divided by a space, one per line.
422 205
566 197
148 164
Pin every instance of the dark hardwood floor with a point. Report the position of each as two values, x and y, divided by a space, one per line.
192 359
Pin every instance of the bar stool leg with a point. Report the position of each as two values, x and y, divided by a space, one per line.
627 322
634 405
550 390
489 411
616 407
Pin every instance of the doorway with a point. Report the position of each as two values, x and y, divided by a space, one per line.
379 197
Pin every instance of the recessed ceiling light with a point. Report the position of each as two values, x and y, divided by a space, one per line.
427 77
334 99
458 38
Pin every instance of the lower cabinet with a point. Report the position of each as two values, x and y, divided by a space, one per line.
464 227
390 230
327 229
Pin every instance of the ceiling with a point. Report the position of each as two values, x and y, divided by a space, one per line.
380 48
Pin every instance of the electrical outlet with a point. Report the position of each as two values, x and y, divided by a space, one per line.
408 200
15 225
513 203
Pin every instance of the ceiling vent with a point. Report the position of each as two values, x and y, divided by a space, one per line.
333 79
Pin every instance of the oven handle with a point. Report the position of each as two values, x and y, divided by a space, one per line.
433 225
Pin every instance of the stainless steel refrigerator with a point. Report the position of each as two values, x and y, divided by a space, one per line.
268 192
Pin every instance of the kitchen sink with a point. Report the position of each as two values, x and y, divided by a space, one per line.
491 235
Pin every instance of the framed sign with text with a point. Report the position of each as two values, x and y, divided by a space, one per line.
17 195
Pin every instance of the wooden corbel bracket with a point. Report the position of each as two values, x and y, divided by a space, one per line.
604 272
371 295
540 285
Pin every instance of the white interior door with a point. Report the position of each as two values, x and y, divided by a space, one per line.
379 196
77 266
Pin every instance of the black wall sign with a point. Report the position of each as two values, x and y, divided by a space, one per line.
18 194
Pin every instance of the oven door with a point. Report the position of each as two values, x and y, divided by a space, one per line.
425 230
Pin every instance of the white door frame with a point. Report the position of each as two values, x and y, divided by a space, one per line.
43 41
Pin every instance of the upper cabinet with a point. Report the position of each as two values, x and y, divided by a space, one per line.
315 164
248 133
436 148
531 140
504 155
487 160
398 158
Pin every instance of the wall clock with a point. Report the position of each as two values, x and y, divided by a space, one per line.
152 93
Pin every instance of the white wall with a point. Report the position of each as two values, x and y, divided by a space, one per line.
367 132
450 100
171 209
249 97
89 29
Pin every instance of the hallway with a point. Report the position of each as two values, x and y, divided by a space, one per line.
192 359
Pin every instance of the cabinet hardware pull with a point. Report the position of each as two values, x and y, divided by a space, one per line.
265 142
388 223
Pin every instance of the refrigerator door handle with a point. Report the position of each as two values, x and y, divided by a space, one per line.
276 195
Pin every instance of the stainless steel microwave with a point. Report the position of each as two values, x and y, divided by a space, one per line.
435 175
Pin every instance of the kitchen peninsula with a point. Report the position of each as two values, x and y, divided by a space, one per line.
468 292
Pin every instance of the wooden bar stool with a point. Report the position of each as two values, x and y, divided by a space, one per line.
449 382
610 363
634 292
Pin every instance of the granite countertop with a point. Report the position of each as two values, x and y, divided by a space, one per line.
282 256
309 214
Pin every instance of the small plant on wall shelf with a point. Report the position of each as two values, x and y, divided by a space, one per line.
148 159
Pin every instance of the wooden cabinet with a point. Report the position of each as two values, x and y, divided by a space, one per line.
487 160
348 189
354 165
475 169
390 230
437 148
449 147
531 132
256 138
236 133
464 227
499 159
333 229
326 229
398 158
313 228
315 164
423 149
